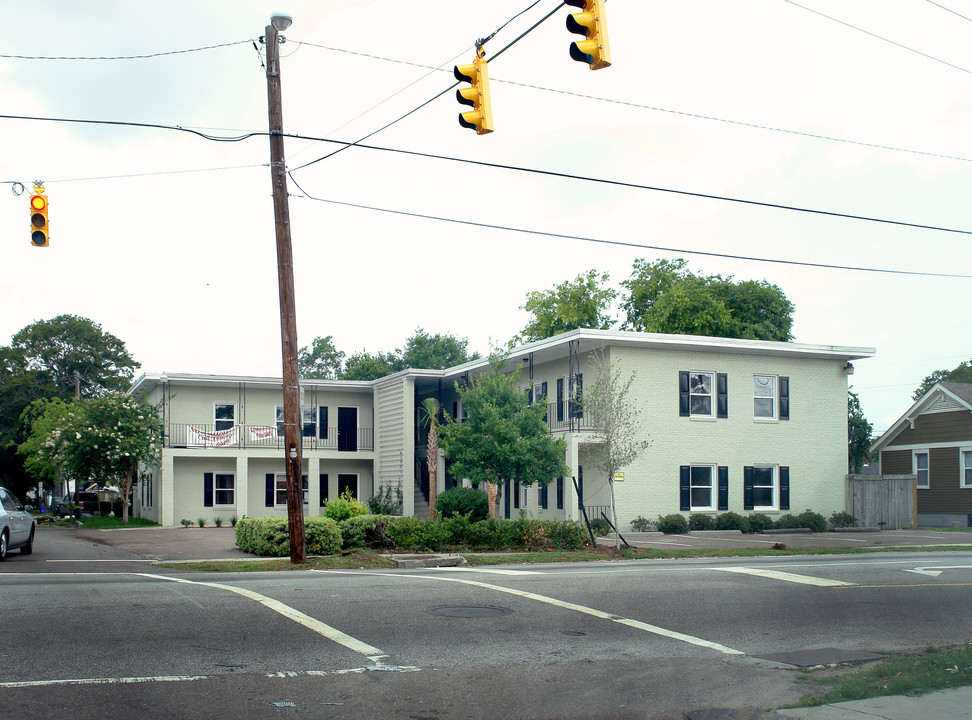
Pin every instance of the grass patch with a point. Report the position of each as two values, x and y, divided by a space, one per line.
935 669
110 522
352 560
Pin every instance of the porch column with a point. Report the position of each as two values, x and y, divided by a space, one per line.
167 487
313 485
242 486
570 495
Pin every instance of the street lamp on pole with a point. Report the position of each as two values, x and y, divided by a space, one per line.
285 275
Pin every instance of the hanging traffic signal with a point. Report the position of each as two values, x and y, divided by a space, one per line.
480 118
39 230
595 50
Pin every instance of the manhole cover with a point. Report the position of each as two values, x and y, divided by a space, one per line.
468 611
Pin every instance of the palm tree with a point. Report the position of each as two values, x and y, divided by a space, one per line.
430 412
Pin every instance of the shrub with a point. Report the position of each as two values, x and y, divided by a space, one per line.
812 520
185 523
699 521
386 501
673 524
600 527
731 521
565 534
365 531
758 522
201 522
642 524
233 521
343 507
218 521
270 537
463 501
412 533
787 521
842 520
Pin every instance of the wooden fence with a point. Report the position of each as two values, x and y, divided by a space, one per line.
887 502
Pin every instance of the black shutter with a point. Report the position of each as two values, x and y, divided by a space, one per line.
542 497
323 481
271 489
784 488
684 491
560 399
723 488
722 395
683 394
207 489
747 488
784 398
516 494
560 493
322 422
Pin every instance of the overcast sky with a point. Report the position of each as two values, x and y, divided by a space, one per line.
167 239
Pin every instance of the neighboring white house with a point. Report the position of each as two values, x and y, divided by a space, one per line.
742 425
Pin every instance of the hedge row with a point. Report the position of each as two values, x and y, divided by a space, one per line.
270 536
753 523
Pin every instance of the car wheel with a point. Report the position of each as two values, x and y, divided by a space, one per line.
29 547
3 546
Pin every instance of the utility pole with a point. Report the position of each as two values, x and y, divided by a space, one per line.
288 313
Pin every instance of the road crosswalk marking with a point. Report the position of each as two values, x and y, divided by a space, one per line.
784 576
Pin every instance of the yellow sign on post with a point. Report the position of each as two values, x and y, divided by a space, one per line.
619 477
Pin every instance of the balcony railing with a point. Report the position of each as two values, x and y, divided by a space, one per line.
567 416
194 435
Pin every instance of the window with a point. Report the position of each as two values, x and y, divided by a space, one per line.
921 468
542 498
764 487
703 394
280 488
224 416
966 478
225 489
764 396
701 493
308 419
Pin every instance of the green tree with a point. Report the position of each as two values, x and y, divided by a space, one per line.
859 432
365 366
960 374
584 302
109 438
41 418
435 352
321 360
619 432
665 297
430 415
502 438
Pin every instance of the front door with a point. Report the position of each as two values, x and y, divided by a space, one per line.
347 429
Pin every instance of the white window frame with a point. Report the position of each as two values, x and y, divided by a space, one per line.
965 467
218 420
711 394
774 485
773 397
713 487
280 490
305 412
217 490
927 470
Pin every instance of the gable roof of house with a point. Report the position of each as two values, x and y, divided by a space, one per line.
944 395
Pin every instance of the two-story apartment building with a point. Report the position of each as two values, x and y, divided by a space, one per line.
734 425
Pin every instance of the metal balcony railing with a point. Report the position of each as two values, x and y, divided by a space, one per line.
195 435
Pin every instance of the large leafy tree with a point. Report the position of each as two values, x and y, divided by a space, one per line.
321 360
365 366
664 296
435 352
502 437
961 374
619 432
107 438
42 417
859 432
584 302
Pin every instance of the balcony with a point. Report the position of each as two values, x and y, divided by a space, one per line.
567 416
241 437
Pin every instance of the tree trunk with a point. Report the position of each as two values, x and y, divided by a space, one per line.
127 487
433 462
493 500
614 512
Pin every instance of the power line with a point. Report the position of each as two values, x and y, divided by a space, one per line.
125 57
157 126
622 243
160 172
879 37
949 10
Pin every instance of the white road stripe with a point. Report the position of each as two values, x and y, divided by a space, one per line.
785 576
492 571
307 621
654 629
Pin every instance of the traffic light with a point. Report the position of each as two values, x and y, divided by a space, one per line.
595 50
39 231
480 118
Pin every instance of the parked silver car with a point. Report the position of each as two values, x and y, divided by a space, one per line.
17 527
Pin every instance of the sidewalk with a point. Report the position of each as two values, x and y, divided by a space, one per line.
954 704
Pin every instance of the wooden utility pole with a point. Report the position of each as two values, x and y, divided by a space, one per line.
288 313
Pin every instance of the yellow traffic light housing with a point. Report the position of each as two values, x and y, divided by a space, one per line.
595 50
480 118
39 231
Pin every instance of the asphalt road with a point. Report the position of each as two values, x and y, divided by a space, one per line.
94 630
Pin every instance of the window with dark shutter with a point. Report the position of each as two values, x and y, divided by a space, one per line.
271 489
560 493
747 488
207 489
784 398
723 488
784 488
684 488
683 394
722 395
